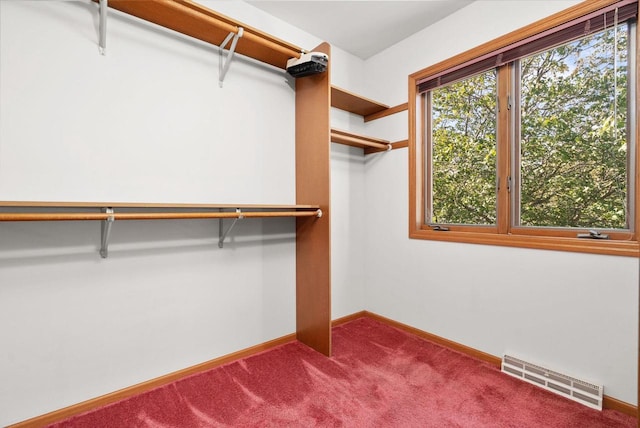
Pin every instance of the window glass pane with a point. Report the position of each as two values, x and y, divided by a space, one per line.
463 152
573 134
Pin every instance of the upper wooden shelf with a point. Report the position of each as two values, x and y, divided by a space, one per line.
348 101
61 211
194 20
47 204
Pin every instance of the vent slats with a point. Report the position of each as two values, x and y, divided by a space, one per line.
534 369
535 379
578 390
590 389
513 371
559 388
513 362
585 397
560 379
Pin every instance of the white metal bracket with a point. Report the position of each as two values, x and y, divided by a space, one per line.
102 44
223 68
223 234
105 229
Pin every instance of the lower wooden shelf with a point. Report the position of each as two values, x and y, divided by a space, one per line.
12 211
61 211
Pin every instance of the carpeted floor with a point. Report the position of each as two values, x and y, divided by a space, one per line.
378 377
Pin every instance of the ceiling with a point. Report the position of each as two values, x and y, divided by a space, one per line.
361 27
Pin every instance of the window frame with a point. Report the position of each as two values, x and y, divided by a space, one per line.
623 243
478 228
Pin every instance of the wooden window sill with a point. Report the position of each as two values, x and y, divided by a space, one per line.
592 246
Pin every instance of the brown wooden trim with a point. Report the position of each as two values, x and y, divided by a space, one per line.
636 219
313 236
618 405
397 145
463 228
607 402
621 243
493 360
94 403
387 112
614 235
591 246
348 318
348 101
530 30
416 165
503 145
637 201
400 144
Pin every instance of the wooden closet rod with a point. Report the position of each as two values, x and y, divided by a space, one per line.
152 216
350 139
344 138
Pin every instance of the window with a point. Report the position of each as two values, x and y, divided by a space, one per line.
573 134
532 142
462 153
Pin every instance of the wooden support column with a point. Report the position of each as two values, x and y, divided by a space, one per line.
313 236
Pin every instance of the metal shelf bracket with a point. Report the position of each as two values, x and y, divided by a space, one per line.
222 66
102 44
223 234
105 229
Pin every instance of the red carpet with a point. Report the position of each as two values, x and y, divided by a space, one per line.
378 377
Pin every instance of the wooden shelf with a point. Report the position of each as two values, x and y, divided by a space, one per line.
313 267
64 211
197 21
348 101
75 216
18 211
369 110
357 140
47 204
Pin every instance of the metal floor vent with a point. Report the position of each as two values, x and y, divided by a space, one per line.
575 389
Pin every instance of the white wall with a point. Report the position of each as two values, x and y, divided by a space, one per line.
146 123
573 312
347 230
347 165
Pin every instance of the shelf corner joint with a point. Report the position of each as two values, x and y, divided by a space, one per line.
105 229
